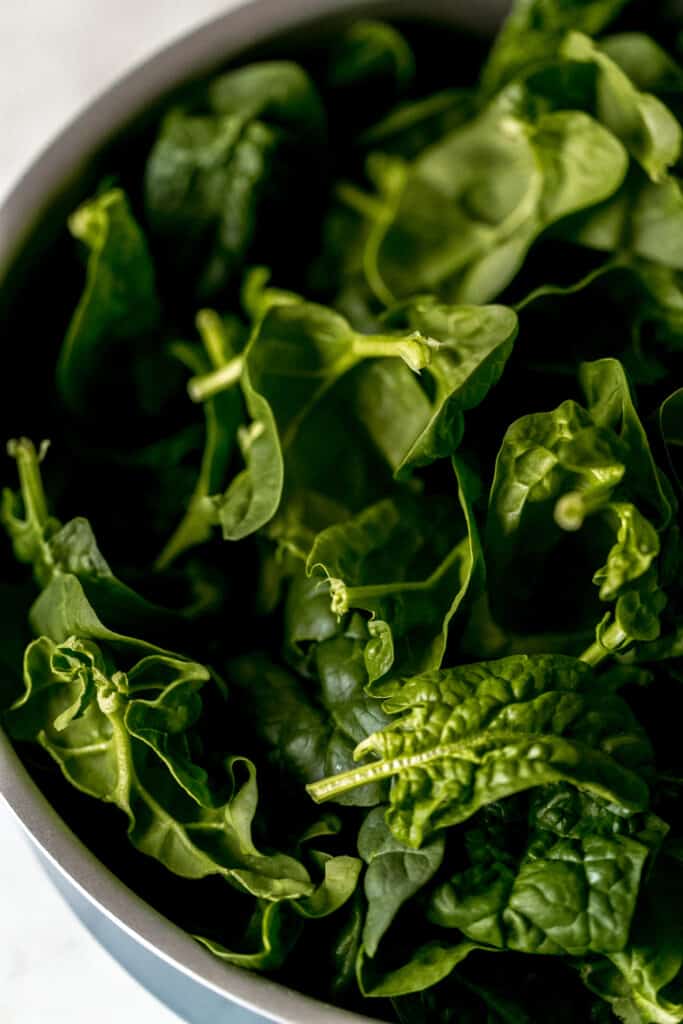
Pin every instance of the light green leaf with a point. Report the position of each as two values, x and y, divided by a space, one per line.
472 735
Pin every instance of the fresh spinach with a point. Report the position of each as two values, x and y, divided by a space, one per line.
372 397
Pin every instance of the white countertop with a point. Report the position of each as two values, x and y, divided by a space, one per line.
57 54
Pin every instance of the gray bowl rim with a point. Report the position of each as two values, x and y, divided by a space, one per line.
61 162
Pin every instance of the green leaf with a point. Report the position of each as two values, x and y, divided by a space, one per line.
341 671
643 60
610 403
395 874
428 965
212 173
459 219
79 588
643 219
338 885
415 124
533 30
310 739
270 931
474 344
346 946
119 307
472 735
296 354
568 896
116 744
555 474
671 427
647 128
638 980
369 62
405 562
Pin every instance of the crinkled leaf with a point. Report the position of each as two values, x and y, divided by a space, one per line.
472 735
81 595
114 744
555 473
643 983
564 896
271 931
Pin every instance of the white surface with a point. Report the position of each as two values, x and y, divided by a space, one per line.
54 56
51 970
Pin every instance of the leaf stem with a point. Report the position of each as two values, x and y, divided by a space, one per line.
30 479
612 639
415 349
214 337
209 384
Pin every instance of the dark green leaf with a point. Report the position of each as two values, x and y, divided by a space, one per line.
395 874
119 308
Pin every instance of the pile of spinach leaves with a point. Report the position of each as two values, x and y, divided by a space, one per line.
370 416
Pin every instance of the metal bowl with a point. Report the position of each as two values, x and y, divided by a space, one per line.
160 955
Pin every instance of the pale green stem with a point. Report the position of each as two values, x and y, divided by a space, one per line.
212 332
364 204
414 349
209 384
612 640
33 494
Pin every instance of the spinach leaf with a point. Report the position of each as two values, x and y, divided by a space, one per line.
346 945
395 874
643 219
459 219
429 965
646 63
475 343
79 588
671 426
647 128
405 563
643 982
310 737
534 29
122 736
472 735
213 173
369 65
296 354
269 937
510 902
119 310
555 470
415 124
